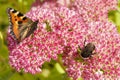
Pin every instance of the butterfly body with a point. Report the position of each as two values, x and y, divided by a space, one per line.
21 26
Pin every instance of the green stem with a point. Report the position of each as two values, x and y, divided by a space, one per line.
63 67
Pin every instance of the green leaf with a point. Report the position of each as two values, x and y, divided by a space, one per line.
59 68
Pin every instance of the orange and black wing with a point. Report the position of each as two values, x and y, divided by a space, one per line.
20 26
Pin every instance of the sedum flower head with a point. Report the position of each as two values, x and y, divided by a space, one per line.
43 45
102 65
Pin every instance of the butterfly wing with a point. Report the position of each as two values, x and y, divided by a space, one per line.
26 29
20 26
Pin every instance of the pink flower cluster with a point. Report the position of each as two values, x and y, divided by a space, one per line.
104 64
93 10
42 46
61 29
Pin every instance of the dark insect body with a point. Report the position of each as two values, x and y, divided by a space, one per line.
87 50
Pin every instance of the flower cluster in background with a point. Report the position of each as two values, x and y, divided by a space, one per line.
104 64
63 26
94 10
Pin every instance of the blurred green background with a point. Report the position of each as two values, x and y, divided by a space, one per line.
51 71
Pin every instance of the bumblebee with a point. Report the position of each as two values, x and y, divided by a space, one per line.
87 50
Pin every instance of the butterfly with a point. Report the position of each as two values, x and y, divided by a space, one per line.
20 25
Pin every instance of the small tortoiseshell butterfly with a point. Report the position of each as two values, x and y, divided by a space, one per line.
20 25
